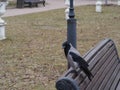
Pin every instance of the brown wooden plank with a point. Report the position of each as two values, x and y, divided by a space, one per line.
100 74
94 71
97 58
113 86
65 74
116 52
80 77
104 53
110 77
109 83
118 85
108 71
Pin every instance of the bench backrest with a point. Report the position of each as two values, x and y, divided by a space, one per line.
104 64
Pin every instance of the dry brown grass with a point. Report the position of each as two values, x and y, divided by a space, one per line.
31 57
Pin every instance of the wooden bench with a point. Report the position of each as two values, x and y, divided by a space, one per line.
104 64
32 3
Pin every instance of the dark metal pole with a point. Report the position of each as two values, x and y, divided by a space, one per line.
71 26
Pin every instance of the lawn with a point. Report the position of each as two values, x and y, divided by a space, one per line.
31 58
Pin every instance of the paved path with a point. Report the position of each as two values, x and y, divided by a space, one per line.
52 4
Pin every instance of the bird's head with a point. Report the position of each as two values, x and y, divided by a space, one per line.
65 44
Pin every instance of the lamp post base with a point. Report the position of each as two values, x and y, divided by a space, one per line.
71 31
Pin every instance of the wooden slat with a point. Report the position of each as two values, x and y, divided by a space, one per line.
104 69
101 54
113 86
118 85
109 83
98 65
108 71
69 70
110 78
95 84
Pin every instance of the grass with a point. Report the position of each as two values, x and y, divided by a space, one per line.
31 57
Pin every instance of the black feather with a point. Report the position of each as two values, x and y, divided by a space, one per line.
79 59
69 51
66 47
82 64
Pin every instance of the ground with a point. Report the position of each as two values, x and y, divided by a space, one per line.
31 57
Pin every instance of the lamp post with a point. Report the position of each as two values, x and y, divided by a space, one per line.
71 26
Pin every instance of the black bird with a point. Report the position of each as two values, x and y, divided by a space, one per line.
72 56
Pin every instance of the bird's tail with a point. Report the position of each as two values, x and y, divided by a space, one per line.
88 73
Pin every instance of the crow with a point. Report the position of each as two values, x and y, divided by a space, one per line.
73 56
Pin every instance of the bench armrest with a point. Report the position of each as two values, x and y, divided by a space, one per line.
66 84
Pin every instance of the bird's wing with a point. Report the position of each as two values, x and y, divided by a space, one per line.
82 64
79 59
72 49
